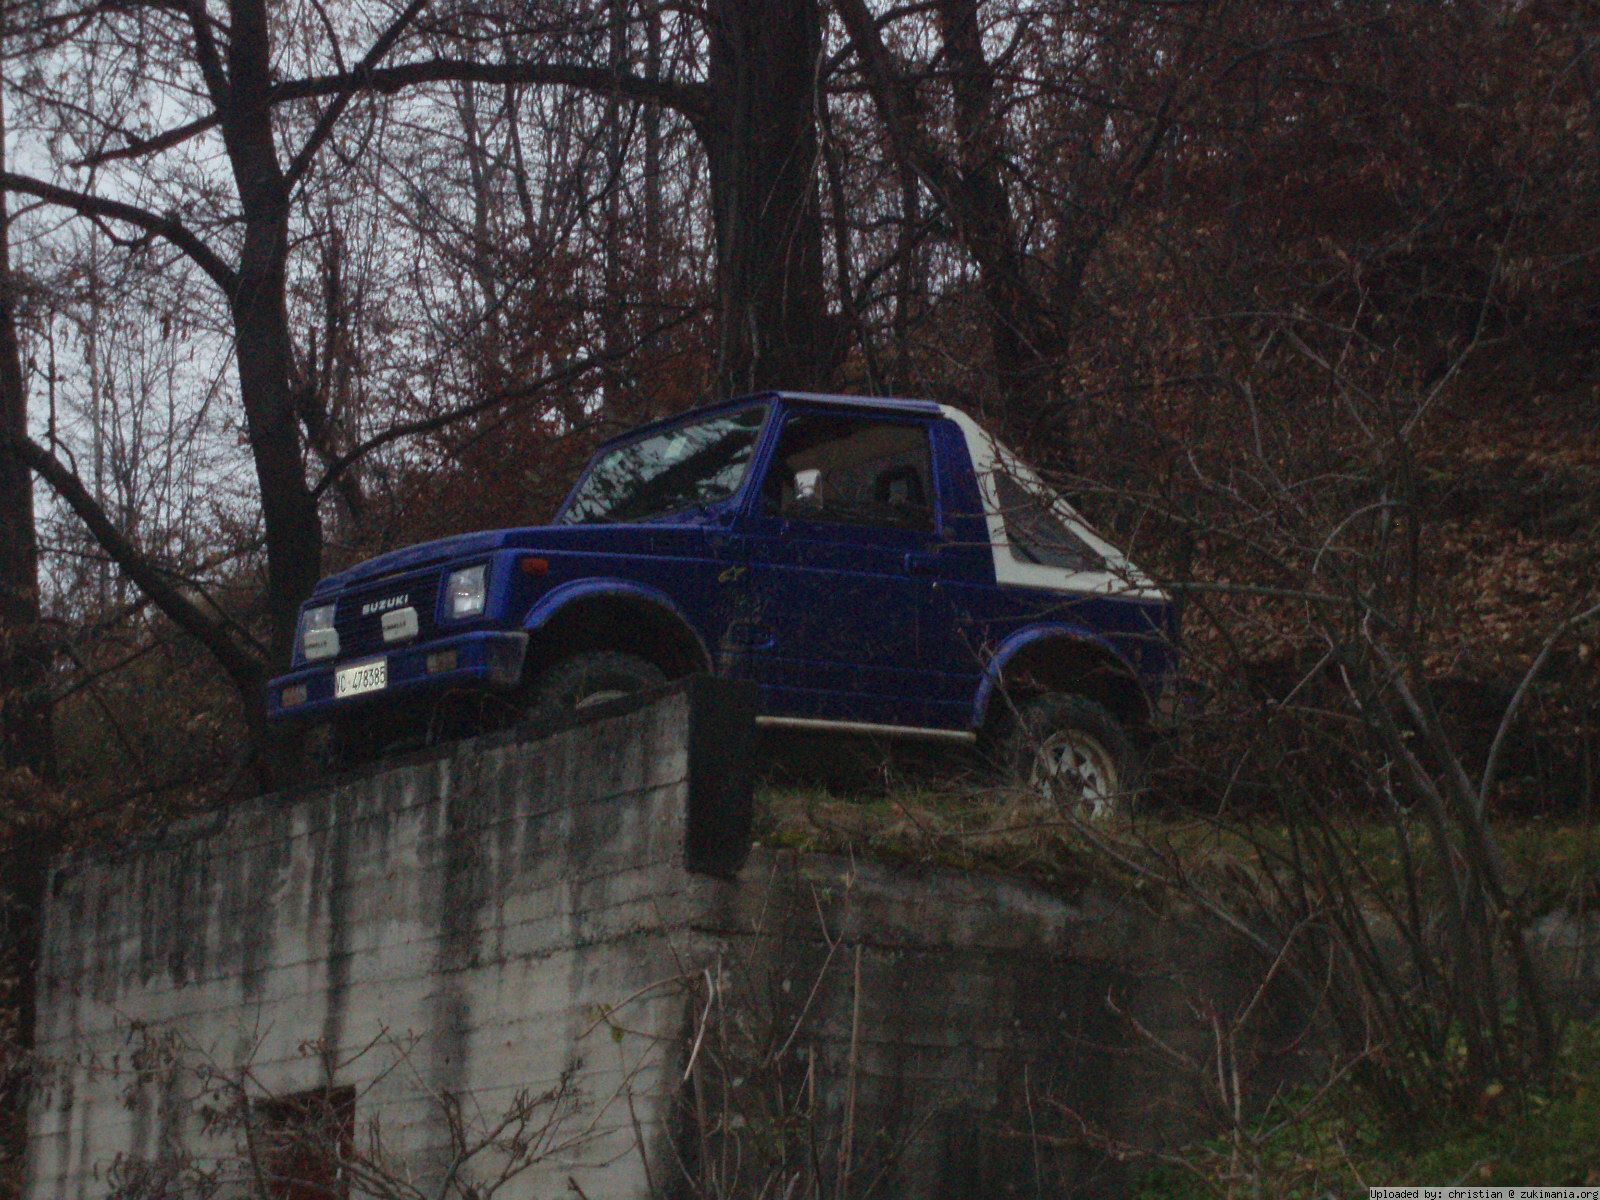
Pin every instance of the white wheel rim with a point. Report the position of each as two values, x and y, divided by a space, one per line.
1074 769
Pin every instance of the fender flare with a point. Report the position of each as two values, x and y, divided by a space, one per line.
558 599
1061 631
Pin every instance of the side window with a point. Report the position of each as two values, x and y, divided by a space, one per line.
1036 534
849 471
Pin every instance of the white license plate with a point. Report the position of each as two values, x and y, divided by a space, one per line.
363 677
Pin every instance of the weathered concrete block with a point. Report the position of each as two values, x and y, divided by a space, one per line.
474 924
556 929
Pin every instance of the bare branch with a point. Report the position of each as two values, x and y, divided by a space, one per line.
167 227
243 668
205 50
690 99
137 147
1491 765
363 69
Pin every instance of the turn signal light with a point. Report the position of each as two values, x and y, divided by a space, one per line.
441 661
293 696
536 566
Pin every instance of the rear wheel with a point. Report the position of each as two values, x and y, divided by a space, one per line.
590 678
1073 752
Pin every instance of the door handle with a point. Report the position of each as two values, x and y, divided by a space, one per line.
921 562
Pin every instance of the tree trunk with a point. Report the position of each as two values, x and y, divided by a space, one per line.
480 179
26 738
911 280
651 249
1024 343
27 741
613 303
774 330
261 328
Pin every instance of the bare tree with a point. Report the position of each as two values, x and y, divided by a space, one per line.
235 75
1113 121
754 116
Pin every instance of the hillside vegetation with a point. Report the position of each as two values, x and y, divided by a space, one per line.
1297 301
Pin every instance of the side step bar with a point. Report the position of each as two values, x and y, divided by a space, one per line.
964 736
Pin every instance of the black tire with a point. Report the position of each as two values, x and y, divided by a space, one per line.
1074 752
592 677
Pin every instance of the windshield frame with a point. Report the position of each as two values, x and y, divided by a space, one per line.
656 429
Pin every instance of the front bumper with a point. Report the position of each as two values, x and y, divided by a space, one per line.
482 660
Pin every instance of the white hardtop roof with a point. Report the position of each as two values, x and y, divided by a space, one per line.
1119 577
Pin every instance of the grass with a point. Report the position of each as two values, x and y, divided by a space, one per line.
1553 861
972 831
1335 1148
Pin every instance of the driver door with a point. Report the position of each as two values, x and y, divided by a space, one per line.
840 547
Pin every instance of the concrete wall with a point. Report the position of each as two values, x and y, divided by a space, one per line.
456 926
977 1037
523 916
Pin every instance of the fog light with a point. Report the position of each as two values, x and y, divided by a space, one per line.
293 696
441 661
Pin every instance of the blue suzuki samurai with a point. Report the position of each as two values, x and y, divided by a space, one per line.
872 565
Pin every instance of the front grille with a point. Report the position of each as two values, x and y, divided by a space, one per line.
363 634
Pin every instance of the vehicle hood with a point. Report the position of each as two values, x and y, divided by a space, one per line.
655 536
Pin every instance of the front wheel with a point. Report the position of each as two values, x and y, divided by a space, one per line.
1073 752
593 677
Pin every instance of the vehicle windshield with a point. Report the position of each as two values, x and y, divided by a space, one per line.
667 472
